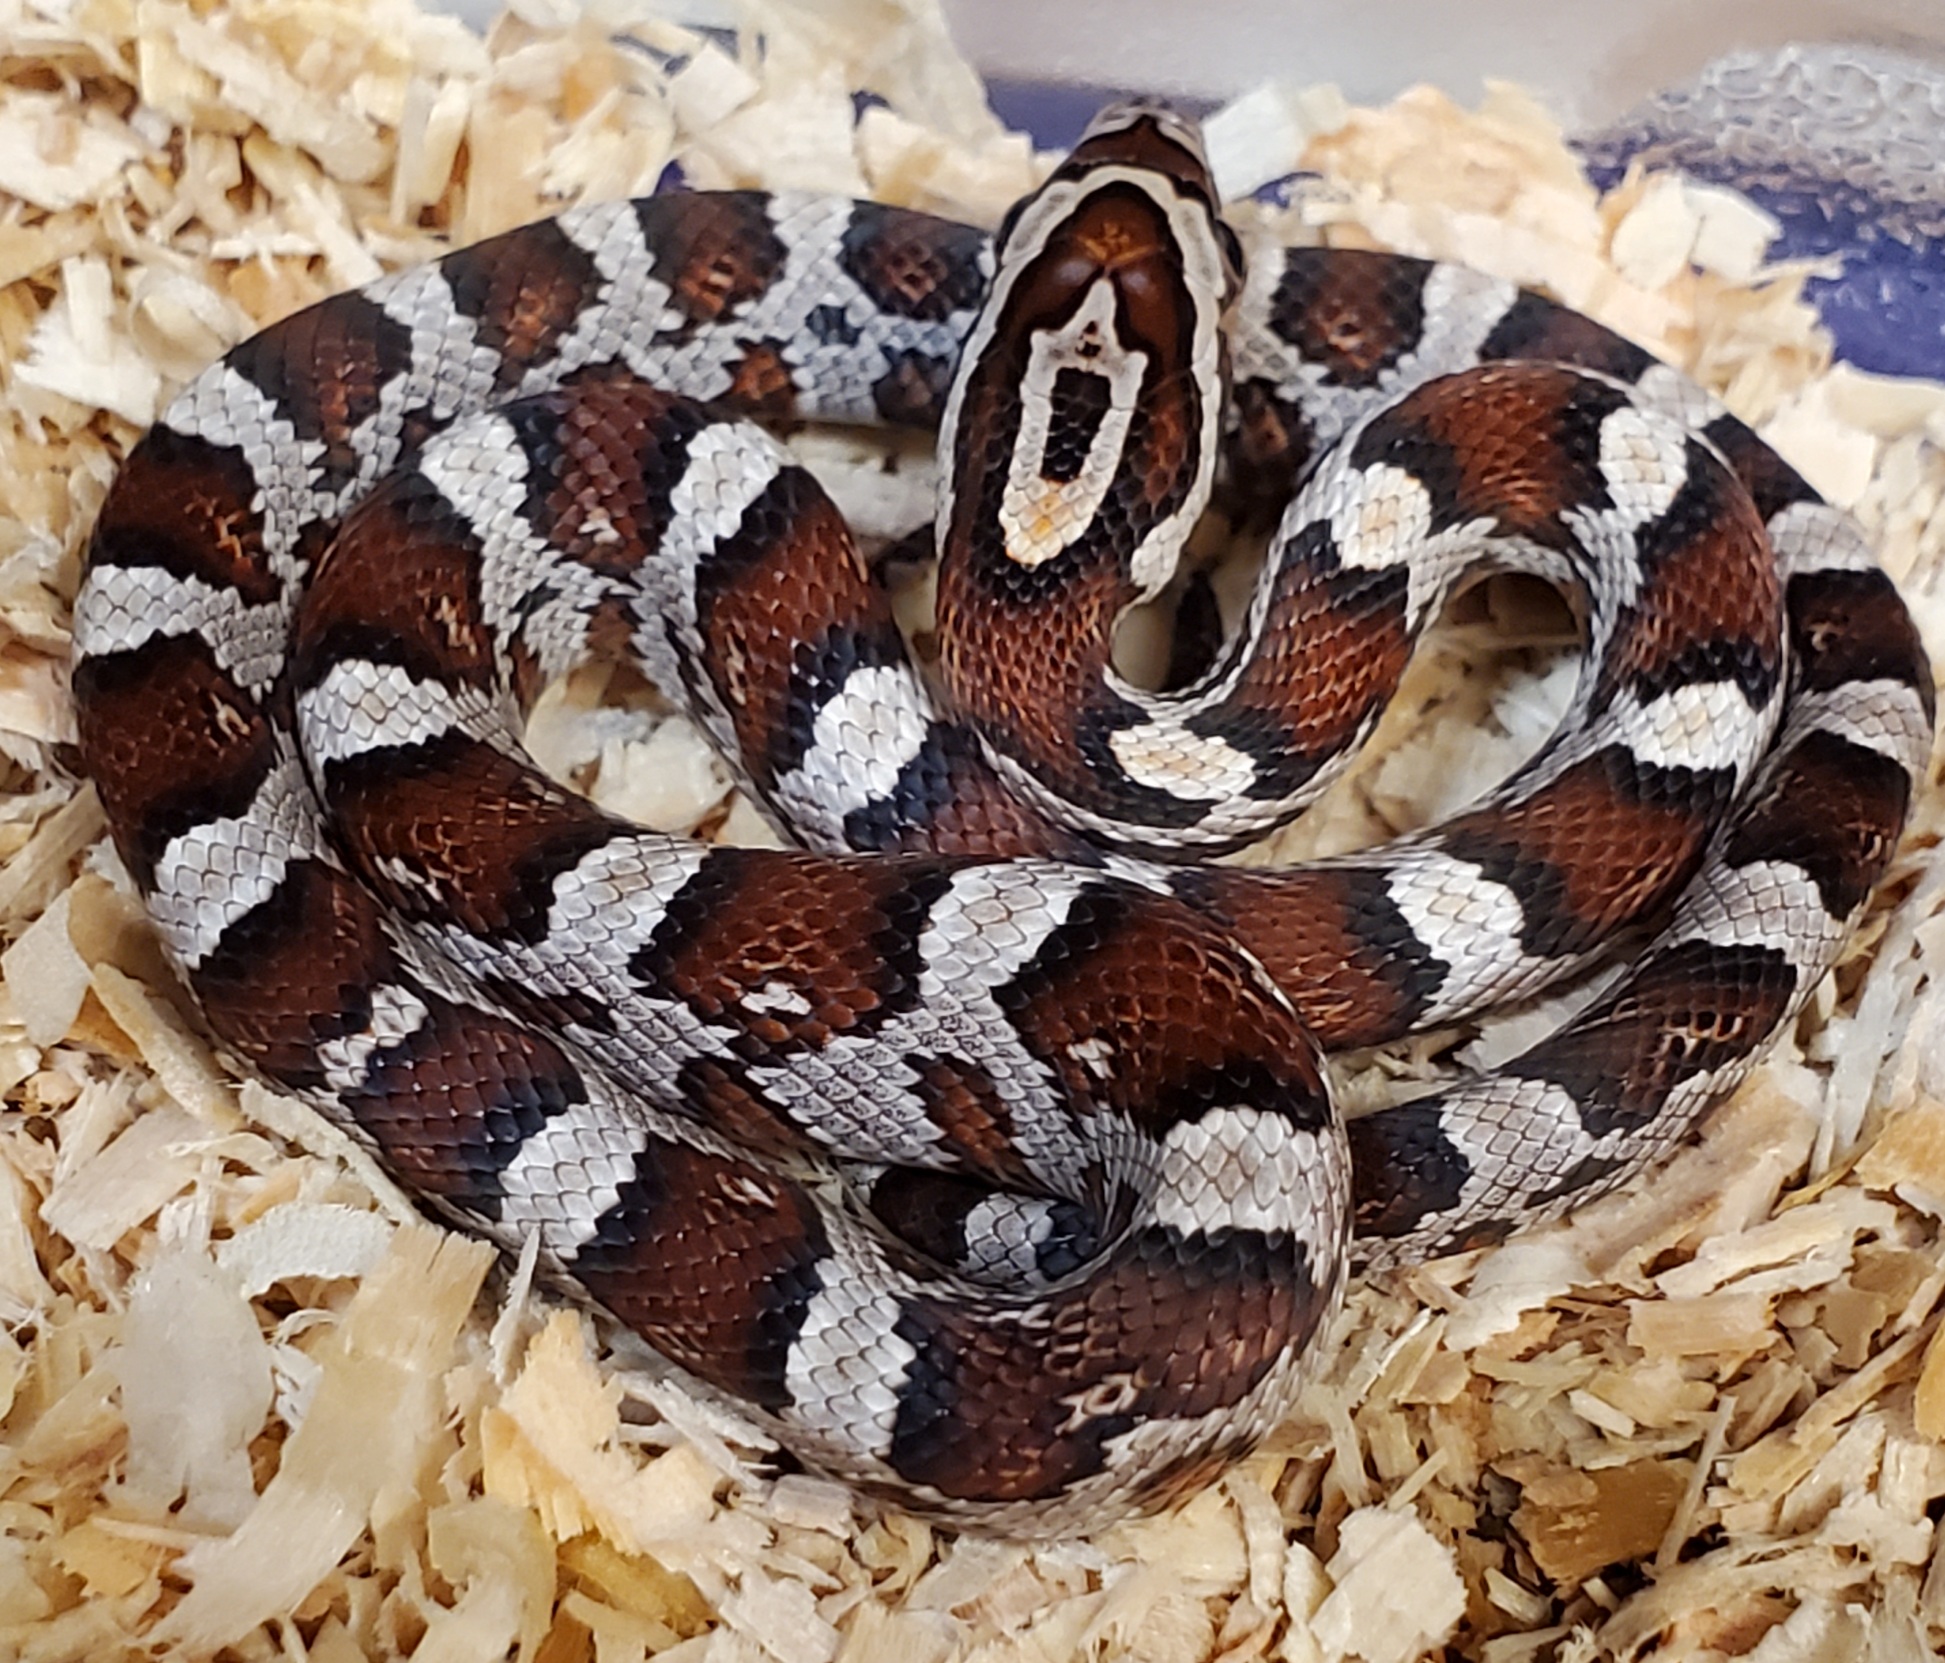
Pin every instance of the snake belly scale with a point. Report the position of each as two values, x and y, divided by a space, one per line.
980 1146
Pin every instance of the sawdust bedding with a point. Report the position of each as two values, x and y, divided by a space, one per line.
254 1409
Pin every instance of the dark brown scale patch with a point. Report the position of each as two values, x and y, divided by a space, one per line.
754 935
450 1105
297 972
605 451
713 1261
1853 626
1535 327
399 586
787 610
1331 657
327 368
1027 671
483 837
1269 449
1766 476
1403 1169
716 250
1332 939
949 801
1685 1012
1354 313
913 391
1605 842
1171 1326
1515 443
524 291
1080 404
962 1100
185 506
760 383
1713 606
1195 634
170 743
1139 984
1835 809
913 265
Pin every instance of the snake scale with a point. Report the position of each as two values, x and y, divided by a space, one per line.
979 1146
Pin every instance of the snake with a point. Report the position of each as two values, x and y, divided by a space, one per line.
978 1144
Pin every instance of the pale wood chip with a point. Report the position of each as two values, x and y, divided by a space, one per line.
1395 1590
154 1160
378 1401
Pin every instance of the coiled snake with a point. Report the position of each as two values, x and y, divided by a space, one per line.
982 1149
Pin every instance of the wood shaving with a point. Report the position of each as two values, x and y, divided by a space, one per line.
249 1408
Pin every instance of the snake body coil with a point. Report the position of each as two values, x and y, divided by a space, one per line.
982 1149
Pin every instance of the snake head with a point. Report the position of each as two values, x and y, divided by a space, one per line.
1152 137
1142 136
1084 416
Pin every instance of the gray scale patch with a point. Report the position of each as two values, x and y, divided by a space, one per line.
1764 903
728 467
848 1364
858 1099
1818 537
863 738
1644 462
1882 716
568 1173
1003 1235
1518 1139
1469 923
1665 390
1700 725
210 877
1237 1168
991 920
359 706
452 369
121 608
